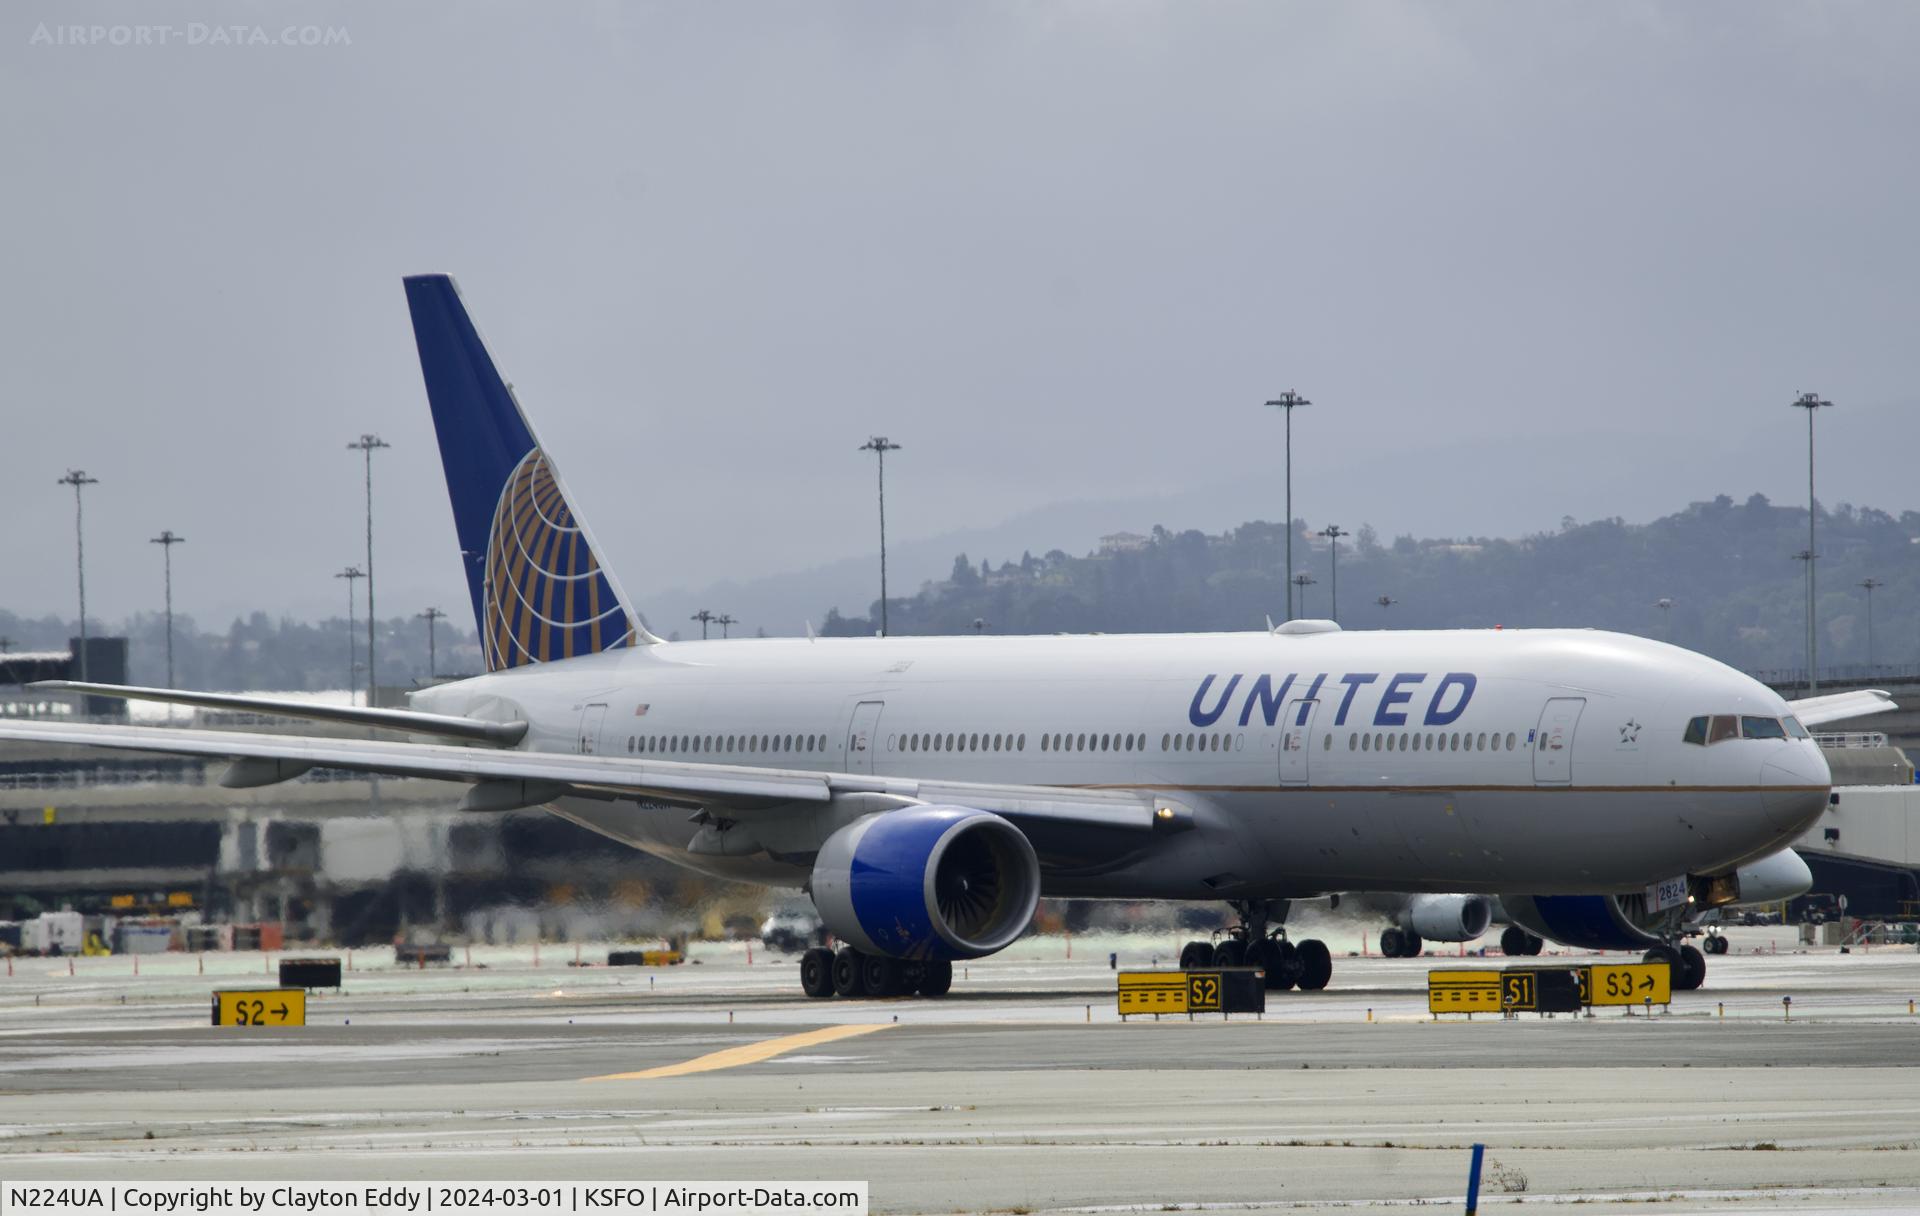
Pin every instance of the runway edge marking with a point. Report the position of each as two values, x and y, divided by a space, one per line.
751 1053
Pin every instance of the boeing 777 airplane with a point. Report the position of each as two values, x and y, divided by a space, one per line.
927 791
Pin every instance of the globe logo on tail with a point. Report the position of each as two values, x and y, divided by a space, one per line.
546 596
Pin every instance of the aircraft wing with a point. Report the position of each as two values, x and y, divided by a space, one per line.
507 779
1839 706
447 725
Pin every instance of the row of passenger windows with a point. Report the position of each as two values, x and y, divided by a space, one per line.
665 745
958 743
1712 729
1430 741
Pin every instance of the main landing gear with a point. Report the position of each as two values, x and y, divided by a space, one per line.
1401 943
1516 942
1306 965
1688 964
850 973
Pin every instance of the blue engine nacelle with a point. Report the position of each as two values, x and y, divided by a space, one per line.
1588 922
927 882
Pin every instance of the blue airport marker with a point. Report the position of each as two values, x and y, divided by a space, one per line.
1473 1180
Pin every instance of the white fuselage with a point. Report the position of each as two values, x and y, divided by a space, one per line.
1547 761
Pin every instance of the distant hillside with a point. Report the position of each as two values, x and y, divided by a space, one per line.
1737 593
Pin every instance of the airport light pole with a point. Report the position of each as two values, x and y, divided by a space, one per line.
167 540
1868 585
723 620
430 616
979 625
1665 605
1333 533
705 618
78 478
1302 580
366 445
880 445
353 643
1386 601
1813 404
1288 402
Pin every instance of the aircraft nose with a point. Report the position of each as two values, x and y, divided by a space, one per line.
1794 784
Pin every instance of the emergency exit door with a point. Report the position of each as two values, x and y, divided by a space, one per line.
863 736
1296 740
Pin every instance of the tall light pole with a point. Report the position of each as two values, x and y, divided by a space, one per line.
1302 580
1333 533
1665 605
1290 401
430 616
1812 403
353 652
1867 585
705 618
365 445
880 445
167 540
1386 601
723 620
78 478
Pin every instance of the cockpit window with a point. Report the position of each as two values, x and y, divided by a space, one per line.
1762 728
1724 726
1696 731
1794 728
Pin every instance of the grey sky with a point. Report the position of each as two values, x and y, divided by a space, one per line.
1528 260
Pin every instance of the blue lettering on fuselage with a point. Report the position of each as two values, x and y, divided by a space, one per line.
1385 715
1207 717
1269 699
1265 696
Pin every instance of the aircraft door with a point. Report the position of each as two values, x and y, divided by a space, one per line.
1553 741
590 719
863 736
1296 740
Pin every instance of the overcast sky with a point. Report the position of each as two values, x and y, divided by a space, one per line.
1527 259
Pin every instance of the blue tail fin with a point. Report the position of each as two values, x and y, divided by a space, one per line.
540 591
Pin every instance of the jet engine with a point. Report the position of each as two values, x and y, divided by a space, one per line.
1590 922
927 882
1446 918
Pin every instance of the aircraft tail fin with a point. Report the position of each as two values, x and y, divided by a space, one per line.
540 591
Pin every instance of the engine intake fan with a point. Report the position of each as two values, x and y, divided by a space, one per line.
927 882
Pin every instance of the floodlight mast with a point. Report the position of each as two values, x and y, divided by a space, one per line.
78 478
1288 402
167 540
880 445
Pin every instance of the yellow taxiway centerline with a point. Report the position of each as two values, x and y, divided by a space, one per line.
752 1053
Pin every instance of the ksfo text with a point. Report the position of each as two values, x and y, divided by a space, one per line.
474 1199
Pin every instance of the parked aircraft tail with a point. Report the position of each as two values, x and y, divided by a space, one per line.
540 591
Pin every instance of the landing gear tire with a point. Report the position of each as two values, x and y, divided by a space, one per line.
816 973
1266 955
1195 955
1715 944
1390 943
1230 953
881 976
1516 942
849 977
1314 963
1693 969
935 979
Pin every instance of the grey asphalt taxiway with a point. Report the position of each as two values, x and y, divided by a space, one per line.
1022 1091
